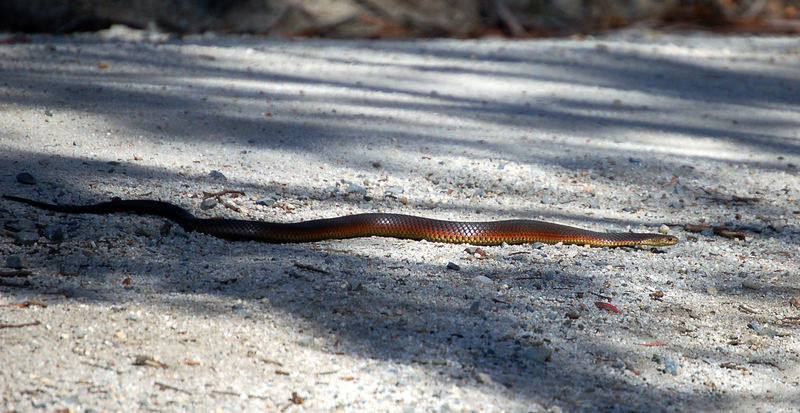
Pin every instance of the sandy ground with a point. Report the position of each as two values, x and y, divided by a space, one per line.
635 131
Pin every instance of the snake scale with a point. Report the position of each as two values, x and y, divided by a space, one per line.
517 231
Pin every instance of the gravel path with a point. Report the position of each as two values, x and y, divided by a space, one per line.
692 134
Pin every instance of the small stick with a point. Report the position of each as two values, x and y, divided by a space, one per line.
15 273
310 268
607 298
32 323
223 192
226 393
26 304
163 386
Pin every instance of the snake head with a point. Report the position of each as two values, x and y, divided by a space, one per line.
662 241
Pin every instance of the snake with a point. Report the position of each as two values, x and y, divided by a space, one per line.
515 231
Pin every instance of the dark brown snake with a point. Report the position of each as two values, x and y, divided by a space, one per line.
516 231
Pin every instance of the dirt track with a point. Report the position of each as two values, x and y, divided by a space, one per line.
629 132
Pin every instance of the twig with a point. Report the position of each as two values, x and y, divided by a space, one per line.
149 361
507 17
26 304
32 323
767 363
732 199
747 309
230 205
15 273
223 192
607 306
23 284
732 366
724 232
163 386
654 344
754 10
718 230
99 366
607 298
310 267
271 361
226 393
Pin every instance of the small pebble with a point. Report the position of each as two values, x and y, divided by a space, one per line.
479 193
762 331
753 340
771 332
680 189
208 203
306 341
634 160
663 229
670 366
54 233
539 354
482 279
20 225
395 190
475 307
266 201
217 175
25 238
16 262
453 266
353 188
483 378
750 285
26 178
143 232
758 229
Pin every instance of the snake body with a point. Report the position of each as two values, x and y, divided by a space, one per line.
517 231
